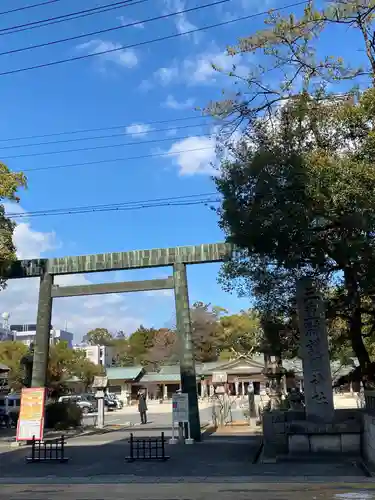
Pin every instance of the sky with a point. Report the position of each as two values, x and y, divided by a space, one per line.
124 93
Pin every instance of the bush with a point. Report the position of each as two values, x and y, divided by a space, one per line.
62 416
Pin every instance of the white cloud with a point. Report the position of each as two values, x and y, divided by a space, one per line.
182 22
138 129
165 76
126 21
198 157
20 298
203 68
126 58
172 103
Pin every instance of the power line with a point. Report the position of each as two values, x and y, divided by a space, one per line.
187 200
70 16
100 129
111 136
105 146
146 42
115 160
114 28
26 7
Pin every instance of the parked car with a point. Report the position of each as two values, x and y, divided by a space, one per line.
109 403
117 400
87 402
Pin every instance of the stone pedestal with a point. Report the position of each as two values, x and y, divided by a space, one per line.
314 352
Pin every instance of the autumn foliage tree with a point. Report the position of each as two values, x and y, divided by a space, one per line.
10 183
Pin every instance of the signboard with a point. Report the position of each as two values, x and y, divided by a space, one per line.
219 377
100 382
31 417
180 407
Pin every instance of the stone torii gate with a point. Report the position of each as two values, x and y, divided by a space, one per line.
178 257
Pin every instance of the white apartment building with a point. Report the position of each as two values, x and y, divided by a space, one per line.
97 354
26 333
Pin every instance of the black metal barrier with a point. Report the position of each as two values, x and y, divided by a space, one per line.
52 450
149 448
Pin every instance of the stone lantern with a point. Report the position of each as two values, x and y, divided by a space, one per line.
274 372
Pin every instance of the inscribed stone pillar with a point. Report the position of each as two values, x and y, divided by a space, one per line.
314 351
43 328
187 363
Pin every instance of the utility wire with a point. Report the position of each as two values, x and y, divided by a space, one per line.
146 42
114 28
26 7
111 136
105 146
101 129
70 16
115 160
198 199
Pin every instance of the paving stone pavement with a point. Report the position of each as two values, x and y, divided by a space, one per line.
216 457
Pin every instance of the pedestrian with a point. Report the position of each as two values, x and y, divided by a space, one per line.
142 407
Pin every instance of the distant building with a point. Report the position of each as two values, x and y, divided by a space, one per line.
26 334
97 354
6 334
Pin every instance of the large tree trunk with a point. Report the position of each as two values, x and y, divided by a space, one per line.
355 324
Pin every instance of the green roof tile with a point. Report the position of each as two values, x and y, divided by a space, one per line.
124 373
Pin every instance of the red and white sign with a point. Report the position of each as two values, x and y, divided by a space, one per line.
32 412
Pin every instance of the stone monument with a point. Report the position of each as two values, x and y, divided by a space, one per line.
314 352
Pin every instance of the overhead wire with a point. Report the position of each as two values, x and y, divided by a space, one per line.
113 28
145 42
115 160
187 200
104 146
110 136
26 7
70 16
100 129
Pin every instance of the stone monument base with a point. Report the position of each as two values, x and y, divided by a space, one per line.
289 434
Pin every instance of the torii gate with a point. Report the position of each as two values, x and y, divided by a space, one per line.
178 257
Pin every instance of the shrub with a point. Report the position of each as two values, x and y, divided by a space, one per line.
61 416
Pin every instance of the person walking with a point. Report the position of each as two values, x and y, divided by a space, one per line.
142 407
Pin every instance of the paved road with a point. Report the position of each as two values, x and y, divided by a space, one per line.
163 418
199 491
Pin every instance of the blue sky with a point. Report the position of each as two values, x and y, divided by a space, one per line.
156 82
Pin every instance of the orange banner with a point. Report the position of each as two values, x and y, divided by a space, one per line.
31 417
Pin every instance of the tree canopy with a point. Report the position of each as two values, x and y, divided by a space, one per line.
298 186
10 182
98 336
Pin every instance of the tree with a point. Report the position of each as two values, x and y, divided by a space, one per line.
99 336
61 364
164 348
140 342
85 370
241 334
11 354
10 182
299 186
205 331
